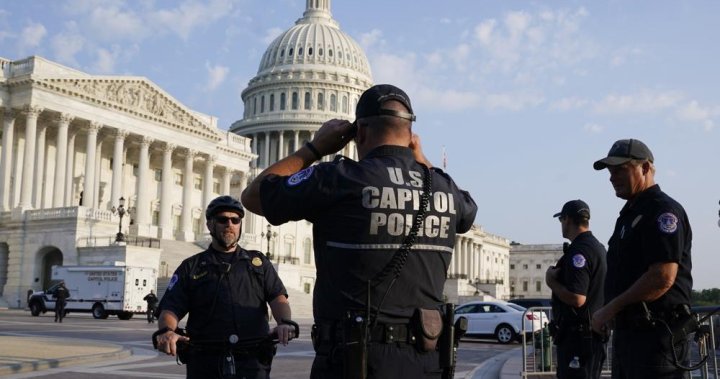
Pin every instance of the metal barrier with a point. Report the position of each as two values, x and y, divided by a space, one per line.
539 355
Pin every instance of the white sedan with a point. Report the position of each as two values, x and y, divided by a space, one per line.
499 319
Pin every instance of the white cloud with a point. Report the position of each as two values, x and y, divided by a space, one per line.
568 104
484 31
593 128
112 24
271 34
643 102
31 36
68 43
621 56
105 63
216 75
368 40
694 112
512 101
190 15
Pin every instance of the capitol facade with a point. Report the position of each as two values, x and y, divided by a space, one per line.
76 146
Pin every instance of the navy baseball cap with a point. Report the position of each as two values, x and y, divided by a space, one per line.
371 101
575 209
623 151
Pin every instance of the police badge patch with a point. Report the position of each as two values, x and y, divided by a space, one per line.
578 261
667 223
172 282
300 176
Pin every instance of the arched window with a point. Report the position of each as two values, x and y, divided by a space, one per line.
307 100
321 102
282 101
272 102
300 51
282 53
309 50
290 52
330 52
339 54
262 104
345 104
333 103
294 100
320 52
255 105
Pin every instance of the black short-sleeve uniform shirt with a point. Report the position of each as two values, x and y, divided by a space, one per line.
582 271
223 301
361 212
653 228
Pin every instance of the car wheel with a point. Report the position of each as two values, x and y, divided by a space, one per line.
505 334
98 312
35 308
125 315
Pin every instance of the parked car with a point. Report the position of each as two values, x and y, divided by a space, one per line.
531 302
499 319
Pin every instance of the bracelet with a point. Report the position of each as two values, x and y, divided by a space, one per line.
315 151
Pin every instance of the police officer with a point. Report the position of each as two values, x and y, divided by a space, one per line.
152 302
225 291
648 282
361 213
61 295
577 290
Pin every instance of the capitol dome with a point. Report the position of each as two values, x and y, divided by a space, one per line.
309 74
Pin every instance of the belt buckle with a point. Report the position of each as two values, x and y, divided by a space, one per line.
389 337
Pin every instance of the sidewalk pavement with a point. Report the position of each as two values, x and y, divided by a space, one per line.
25 354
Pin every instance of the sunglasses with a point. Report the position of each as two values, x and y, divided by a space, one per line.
225 219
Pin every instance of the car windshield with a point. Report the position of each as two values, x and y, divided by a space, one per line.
516 307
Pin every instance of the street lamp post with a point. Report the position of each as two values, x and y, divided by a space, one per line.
120 210
269 235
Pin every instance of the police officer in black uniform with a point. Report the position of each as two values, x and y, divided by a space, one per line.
649 279
225 291
577 285
361 213
61 295
152 303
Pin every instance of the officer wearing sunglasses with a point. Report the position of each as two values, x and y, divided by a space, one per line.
225 291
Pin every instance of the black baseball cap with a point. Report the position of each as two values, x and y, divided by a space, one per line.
575 209
623 151
370 103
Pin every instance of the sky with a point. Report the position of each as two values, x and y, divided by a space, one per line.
523 95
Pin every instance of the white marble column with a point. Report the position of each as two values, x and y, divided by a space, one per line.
116 191
208 180
70 171
281 146
98 173
61 155
186 230
8 146
28 189
227 176
88 198
166 229
142 207
255 149
267 150
39 166
296 142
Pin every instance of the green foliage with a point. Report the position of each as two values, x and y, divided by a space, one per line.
706 297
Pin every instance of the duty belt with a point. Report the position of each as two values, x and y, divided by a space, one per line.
636 318
381 333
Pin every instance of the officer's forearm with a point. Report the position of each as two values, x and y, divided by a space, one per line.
280 308
289 165
168 319
566 296
654 283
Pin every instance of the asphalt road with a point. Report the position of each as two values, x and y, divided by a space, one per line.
292 361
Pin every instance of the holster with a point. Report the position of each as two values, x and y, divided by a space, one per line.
429 325
355 341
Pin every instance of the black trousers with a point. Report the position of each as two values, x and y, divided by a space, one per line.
59 310
385 361
589 351
648 353
203 365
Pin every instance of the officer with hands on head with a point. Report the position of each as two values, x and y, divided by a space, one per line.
152 302
361 213
61 295
649 281
225 291
577 292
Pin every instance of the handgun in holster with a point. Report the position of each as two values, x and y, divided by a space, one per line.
449 340
355 342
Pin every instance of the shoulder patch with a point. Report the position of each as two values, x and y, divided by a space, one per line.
578 261
667 223
172 282
300 176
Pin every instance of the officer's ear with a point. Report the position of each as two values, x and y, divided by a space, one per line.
361 133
